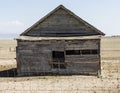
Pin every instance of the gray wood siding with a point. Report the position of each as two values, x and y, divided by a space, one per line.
82 44
35 57
61 23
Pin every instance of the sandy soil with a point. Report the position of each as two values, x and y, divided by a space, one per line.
60 84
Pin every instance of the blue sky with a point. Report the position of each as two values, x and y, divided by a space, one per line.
17 15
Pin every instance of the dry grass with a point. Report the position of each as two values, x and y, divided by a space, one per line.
109 83
7 49
110 48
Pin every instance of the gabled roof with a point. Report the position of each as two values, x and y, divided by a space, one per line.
69 12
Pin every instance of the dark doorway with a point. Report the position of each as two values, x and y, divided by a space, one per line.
58 59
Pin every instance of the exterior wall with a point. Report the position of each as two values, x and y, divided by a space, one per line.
35 57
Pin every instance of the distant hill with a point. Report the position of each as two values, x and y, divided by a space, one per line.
8 36
115 36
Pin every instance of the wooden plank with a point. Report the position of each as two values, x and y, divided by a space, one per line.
58 63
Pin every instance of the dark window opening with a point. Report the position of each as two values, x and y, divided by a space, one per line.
58 56
94 51
85 52
81 52
58 59
72 52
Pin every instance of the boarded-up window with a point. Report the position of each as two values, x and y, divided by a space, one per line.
87 52
58 66
81 52
58 59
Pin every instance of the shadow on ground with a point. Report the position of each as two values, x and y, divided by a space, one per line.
9 73
13 73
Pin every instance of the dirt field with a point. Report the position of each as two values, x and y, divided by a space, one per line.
109 82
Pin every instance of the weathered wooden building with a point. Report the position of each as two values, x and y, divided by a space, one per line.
59 43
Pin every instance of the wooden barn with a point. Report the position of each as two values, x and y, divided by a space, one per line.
59 43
